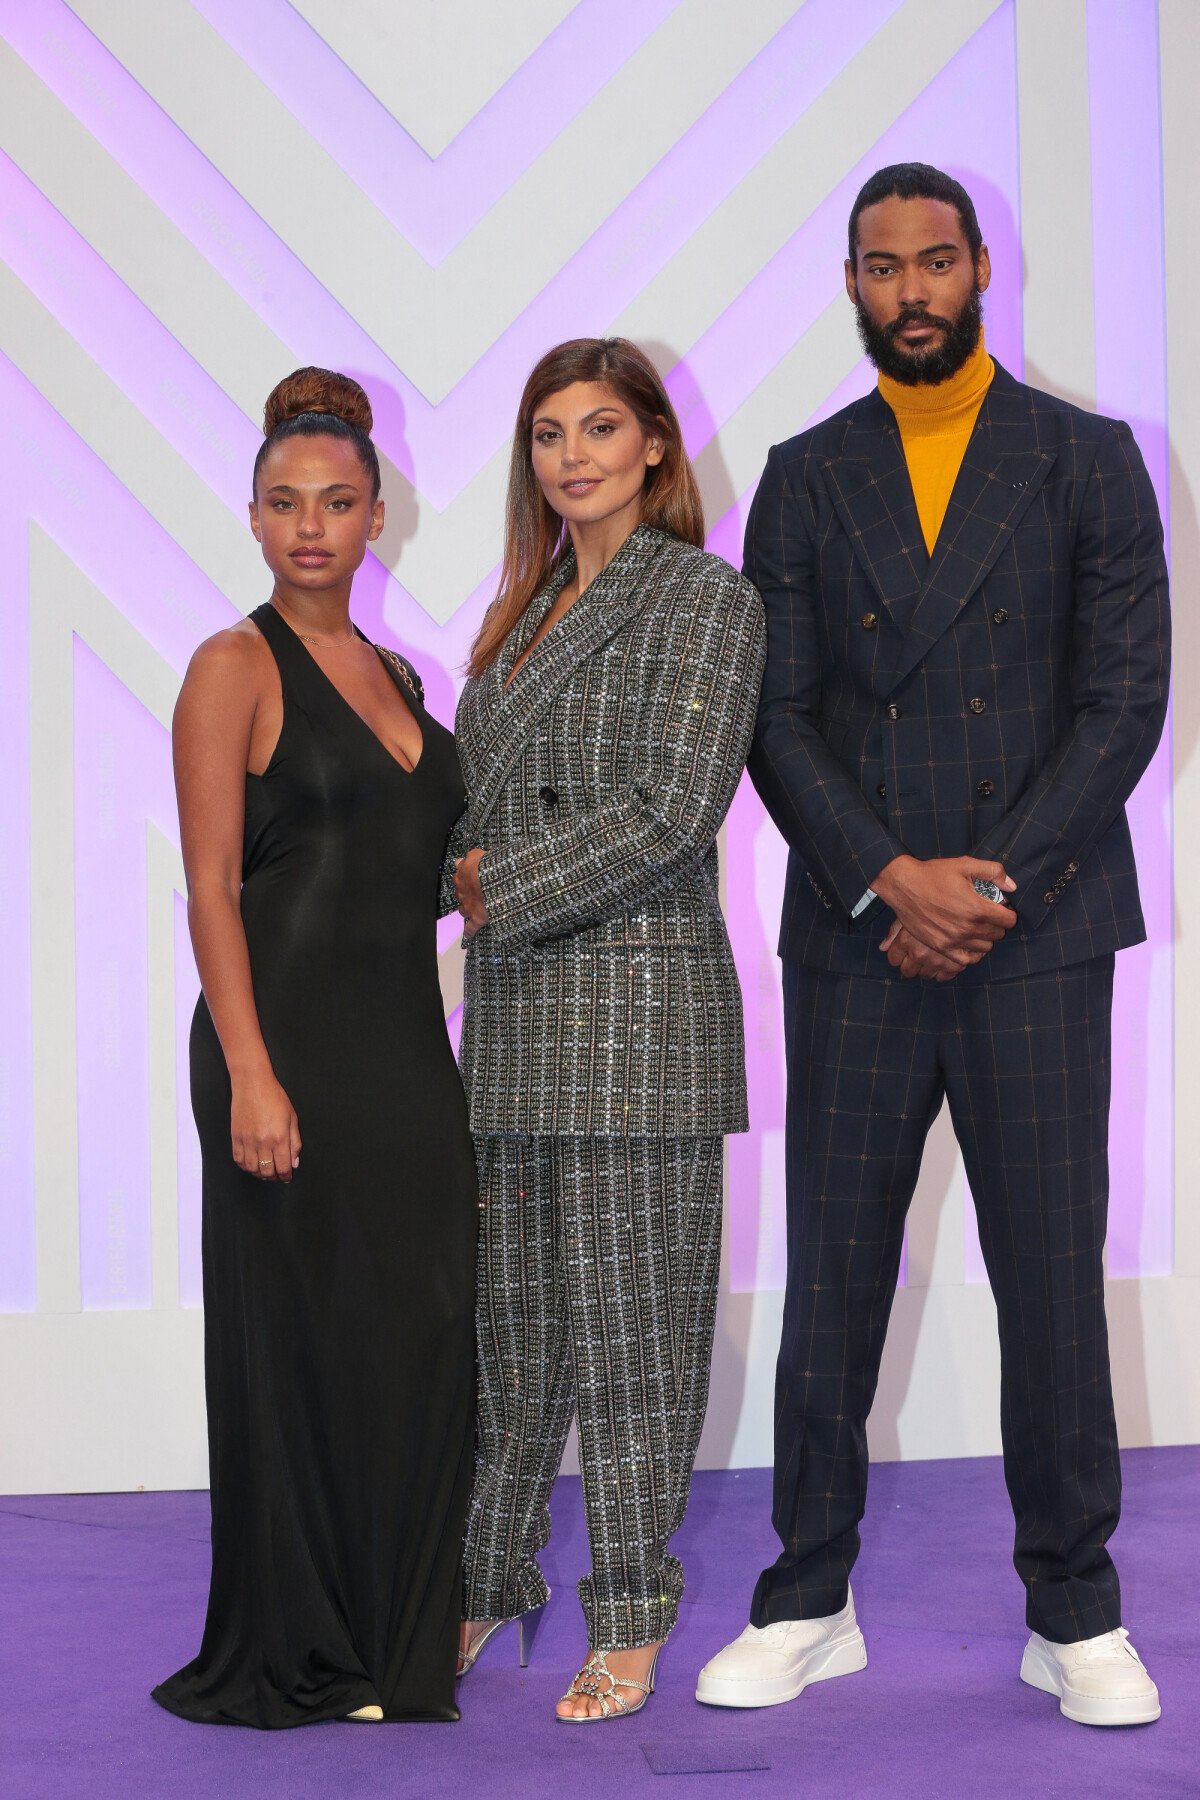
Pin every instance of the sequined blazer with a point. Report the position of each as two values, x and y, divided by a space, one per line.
601 998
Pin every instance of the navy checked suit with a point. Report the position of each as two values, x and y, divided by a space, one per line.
1000 698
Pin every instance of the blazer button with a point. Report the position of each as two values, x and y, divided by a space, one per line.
986 789
870 621
549 795
893 712
881 790
1000 616
977 705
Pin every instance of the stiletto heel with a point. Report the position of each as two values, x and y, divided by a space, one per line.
467 1658
527 1630
527 1624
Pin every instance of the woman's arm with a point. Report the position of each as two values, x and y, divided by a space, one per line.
214 719
689 732
457 845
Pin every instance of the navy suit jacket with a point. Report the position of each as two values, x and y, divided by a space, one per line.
999 699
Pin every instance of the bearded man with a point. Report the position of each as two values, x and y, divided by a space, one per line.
967 675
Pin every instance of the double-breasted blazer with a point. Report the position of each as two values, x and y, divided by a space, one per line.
601 998
999 699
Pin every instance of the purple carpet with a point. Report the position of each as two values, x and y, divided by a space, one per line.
102 1596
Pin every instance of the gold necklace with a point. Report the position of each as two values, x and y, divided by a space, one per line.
306 637
322 644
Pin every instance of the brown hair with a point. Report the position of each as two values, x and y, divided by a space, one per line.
535 537
315 403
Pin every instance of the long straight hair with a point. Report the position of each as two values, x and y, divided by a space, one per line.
535 536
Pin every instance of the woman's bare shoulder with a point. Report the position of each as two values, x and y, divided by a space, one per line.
239 653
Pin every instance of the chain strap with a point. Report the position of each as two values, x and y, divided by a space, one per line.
401 667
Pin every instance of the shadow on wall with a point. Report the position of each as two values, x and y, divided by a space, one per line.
698 426
746 1163
402 516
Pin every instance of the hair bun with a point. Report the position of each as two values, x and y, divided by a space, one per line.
316 390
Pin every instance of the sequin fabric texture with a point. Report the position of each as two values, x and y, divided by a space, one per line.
602 996
603 1057
599 1261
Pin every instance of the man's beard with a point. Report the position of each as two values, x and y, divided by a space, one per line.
914 367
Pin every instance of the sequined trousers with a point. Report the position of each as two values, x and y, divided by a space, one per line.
598 1266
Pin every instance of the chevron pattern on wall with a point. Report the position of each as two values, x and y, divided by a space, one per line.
198 195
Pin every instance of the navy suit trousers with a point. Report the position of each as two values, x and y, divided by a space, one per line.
1025 1067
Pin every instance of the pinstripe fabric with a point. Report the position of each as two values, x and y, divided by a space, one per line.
1001 698
1025 1066
598 1265
602 995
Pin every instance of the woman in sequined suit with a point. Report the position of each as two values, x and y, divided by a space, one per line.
602 732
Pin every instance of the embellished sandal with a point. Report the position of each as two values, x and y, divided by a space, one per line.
590 1684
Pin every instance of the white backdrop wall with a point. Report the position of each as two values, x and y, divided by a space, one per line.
198 195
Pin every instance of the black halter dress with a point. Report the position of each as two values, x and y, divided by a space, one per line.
339 1352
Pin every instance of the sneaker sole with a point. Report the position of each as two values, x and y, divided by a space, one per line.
845 1657
1084 1709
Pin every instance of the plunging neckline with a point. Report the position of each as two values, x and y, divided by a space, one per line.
528 651
350 708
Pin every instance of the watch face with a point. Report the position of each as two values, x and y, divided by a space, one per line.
988 889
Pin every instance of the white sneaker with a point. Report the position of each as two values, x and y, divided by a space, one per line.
1099 1680
769 1664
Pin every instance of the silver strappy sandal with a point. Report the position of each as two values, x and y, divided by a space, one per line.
527 1624
589 1684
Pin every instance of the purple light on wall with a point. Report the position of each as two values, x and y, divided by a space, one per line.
435 203
1130 334
125 339
104 530
18 1246
442 447
122 778
966 119
50 476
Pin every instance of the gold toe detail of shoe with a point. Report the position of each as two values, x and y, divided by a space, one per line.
366 1715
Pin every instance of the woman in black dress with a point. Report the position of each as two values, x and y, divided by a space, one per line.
316 796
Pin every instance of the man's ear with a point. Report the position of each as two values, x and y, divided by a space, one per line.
851 282
983 270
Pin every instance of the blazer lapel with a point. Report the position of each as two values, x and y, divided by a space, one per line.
872 493
1001 472
501 719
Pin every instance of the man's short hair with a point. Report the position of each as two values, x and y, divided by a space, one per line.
916 181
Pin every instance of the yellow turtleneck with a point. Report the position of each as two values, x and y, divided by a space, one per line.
935 425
